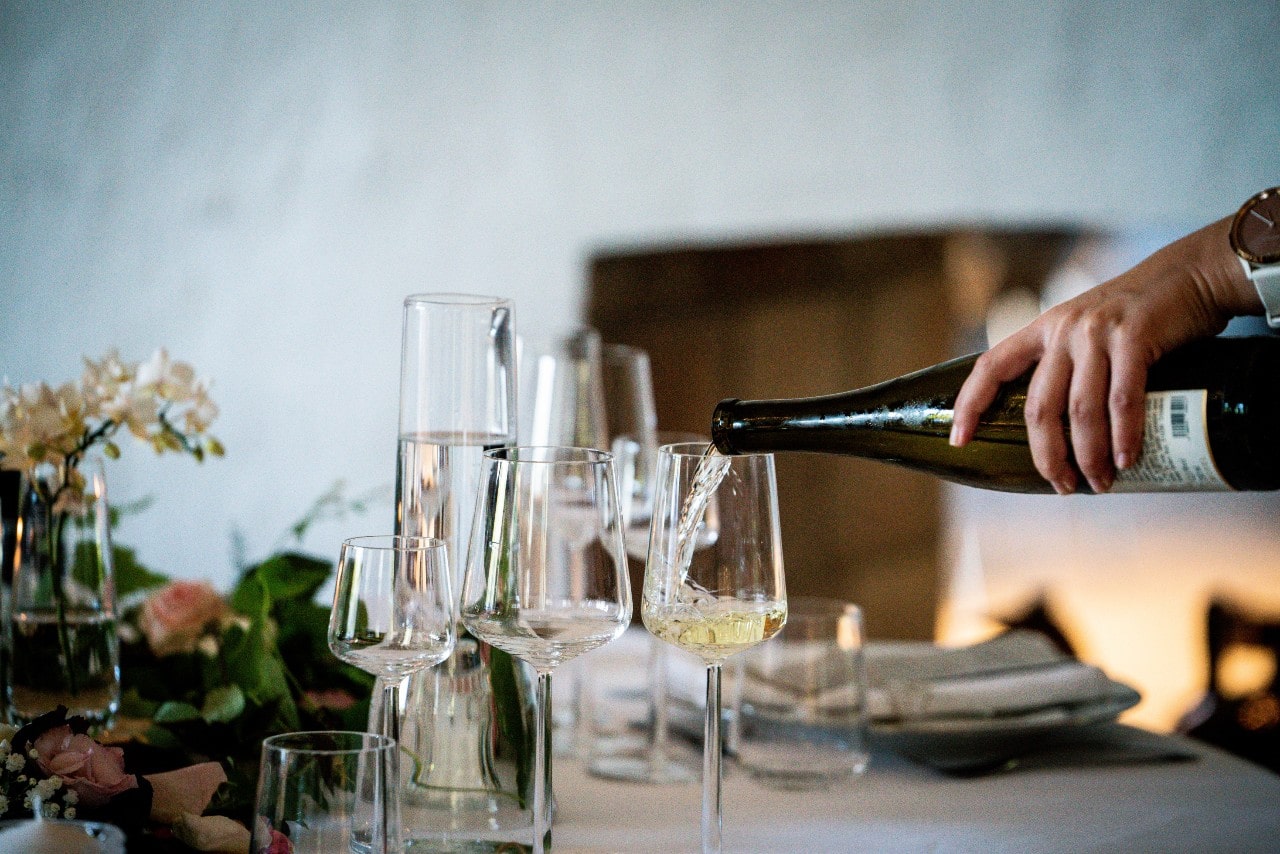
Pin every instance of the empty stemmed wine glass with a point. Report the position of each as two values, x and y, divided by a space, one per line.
533 588
726 598
392 612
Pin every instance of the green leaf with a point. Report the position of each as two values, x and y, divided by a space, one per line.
118 510
158 736
250 596
134 705
86 567
291 575
131 576
251 660
174 712
223 704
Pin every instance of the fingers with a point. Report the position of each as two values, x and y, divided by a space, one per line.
1006 361
1090 420
1127 405
1091 373
1046 402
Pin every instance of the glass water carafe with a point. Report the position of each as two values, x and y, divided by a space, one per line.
467 736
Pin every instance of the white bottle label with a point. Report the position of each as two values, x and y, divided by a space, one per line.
1175 447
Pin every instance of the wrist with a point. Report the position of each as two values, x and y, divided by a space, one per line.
1230 289
1254 237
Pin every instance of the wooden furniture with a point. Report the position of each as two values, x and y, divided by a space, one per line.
799 318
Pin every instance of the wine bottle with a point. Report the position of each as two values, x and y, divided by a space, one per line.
1212 424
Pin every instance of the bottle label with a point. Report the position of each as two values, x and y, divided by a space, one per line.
1175 447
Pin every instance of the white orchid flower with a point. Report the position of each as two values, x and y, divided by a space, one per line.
160 402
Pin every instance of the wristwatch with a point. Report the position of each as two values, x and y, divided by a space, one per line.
1255 237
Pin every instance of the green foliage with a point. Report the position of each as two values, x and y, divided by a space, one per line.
511 718
249 678
285 577
175 712
223 705
131 576
265 668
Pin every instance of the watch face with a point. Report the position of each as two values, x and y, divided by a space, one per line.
1255 232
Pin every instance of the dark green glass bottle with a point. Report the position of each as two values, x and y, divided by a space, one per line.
1213 423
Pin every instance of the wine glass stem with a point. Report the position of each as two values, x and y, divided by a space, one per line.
390 707
658 703
542 769
711 755
391 771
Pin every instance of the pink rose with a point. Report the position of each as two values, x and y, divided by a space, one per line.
94 772
174 617
332 698
280 844
186 791
270 840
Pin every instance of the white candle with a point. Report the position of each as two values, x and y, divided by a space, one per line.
48 837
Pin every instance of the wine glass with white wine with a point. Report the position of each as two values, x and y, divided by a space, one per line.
653 760
724 598
546 576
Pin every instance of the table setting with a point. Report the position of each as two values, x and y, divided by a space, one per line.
486 675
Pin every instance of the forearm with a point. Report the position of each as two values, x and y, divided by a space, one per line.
1205 260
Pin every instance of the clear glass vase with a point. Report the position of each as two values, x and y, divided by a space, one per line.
62 621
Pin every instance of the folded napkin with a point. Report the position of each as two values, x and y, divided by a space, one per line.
1016 673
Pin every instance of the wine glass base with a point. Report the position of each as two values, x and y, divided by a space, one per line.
642 769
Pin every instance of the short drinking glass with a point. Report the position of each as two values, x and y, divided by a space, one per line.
322 792
802 710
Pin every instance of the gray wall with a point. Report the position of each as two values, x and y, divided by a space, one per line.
257 185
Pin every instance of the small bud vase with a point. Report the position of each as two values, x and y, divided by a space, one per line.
62 623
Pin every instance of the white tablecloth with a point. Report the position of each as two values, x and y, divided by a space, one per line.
1216 803
1213 803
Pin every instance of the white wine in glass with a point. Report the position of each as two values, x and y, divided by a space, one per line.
725 598
653 760
546 576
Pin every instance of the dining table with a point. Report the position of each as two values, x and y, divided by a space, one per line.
1109 788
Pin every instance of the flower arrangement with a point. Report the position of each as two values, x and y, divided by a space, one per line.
211 676
53 766
204 676
64 578
47 431
207 676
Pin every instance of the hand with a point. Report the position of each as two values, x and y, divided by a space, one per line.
1091 356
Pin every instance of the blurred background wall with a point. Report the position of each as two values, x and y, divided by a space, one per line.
256 186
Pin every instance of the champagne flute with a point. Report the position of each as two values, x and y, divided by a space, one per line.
392 612
562 403
532 588
726 599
